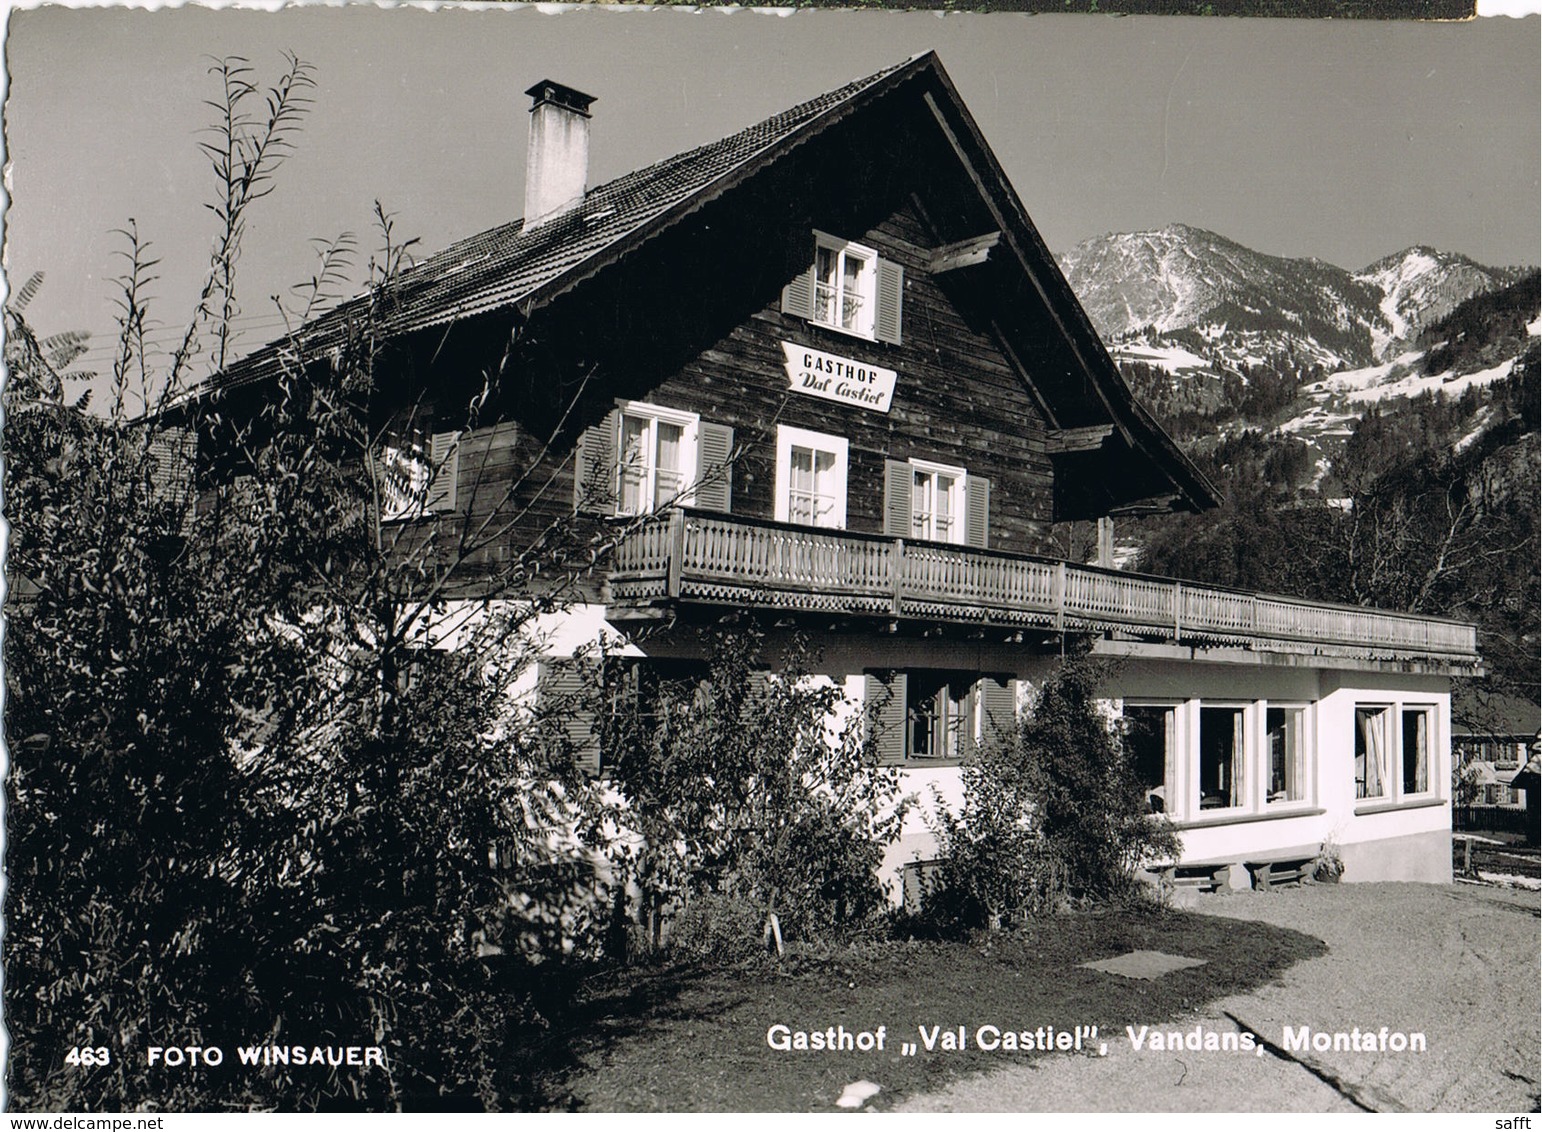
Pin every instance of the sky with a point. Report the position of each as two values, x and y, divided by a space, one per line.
1343 140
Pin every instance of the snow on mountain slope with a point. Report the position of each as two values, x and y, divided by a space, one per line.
1181 286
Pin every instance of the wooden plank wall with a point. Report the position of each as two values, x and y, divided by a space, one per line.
957 401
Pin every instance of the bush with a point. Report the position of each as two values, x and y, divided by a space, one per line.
717 928
739 785
1053 817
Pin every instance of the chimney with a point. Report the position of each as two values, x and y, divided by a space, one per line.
557 163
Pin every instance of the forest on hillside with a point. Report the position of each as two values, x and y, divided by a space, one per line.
1430 505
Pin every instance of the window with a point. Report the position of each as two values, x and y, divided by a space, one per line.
657 449
1372 751
1416 750
810 477
849 287
845 283
639 458
941 715
937 502
923 500
1394 747
1285 737
1221 747
416 471
933 716
1150 742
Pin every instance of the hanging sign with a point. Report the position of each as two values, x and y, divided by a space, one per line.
835 378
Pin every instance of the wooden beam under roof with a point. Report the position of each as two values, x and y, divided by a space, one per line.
1088 438
965 253
1151 505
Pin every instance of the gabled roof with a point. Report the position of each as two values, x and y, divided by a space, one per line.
507 266
511 269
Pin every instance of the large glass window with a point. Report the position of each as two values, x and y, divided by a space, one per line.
1286 740
1221 746
1149 741
1416 750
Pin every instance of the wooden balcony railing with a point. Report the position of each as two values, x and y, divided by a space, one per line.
695 556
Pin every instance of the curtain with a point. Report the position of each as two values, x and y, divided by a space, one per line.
1416 747
1235 785
1371 758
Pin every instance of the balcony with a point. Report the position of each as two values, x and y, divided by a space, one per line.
694 557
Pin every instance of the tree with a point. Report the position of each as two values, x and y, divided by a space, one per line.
247 802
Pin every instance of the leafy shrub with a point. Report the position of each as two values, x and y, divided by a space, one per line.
738 784
1052 816
719 928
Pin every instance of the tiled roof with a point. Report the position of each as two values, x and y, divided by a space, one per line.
507 265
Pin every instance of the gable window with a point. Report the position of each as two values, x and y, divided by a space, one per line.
810 477
937 502
845 283
657 449
849 287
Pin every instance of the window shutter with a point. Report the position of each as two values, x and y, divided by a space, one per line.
561 696
898 479
715 446
891 292
885 705
798 296
444 468
594 467
998 697
977 511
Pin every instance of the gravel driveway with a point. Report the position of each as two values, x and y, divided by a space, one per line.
1458 964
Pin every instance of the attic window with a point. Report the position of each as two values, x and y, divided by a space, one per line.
850 288
845 282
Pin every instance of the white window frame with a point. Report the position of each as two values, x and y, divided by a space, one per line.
1245 761
1308 790
655 414
413 456
788 438
1431 788
867 286
956 494
1390 736
1172 790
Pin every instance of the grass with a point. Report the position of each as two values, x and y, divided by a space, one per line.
680 1038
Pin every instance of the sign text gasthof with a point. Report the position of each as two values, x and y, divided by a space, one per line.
818 374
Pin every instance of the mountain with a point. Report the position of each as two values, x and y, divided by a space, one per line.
1229 307
1374 434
